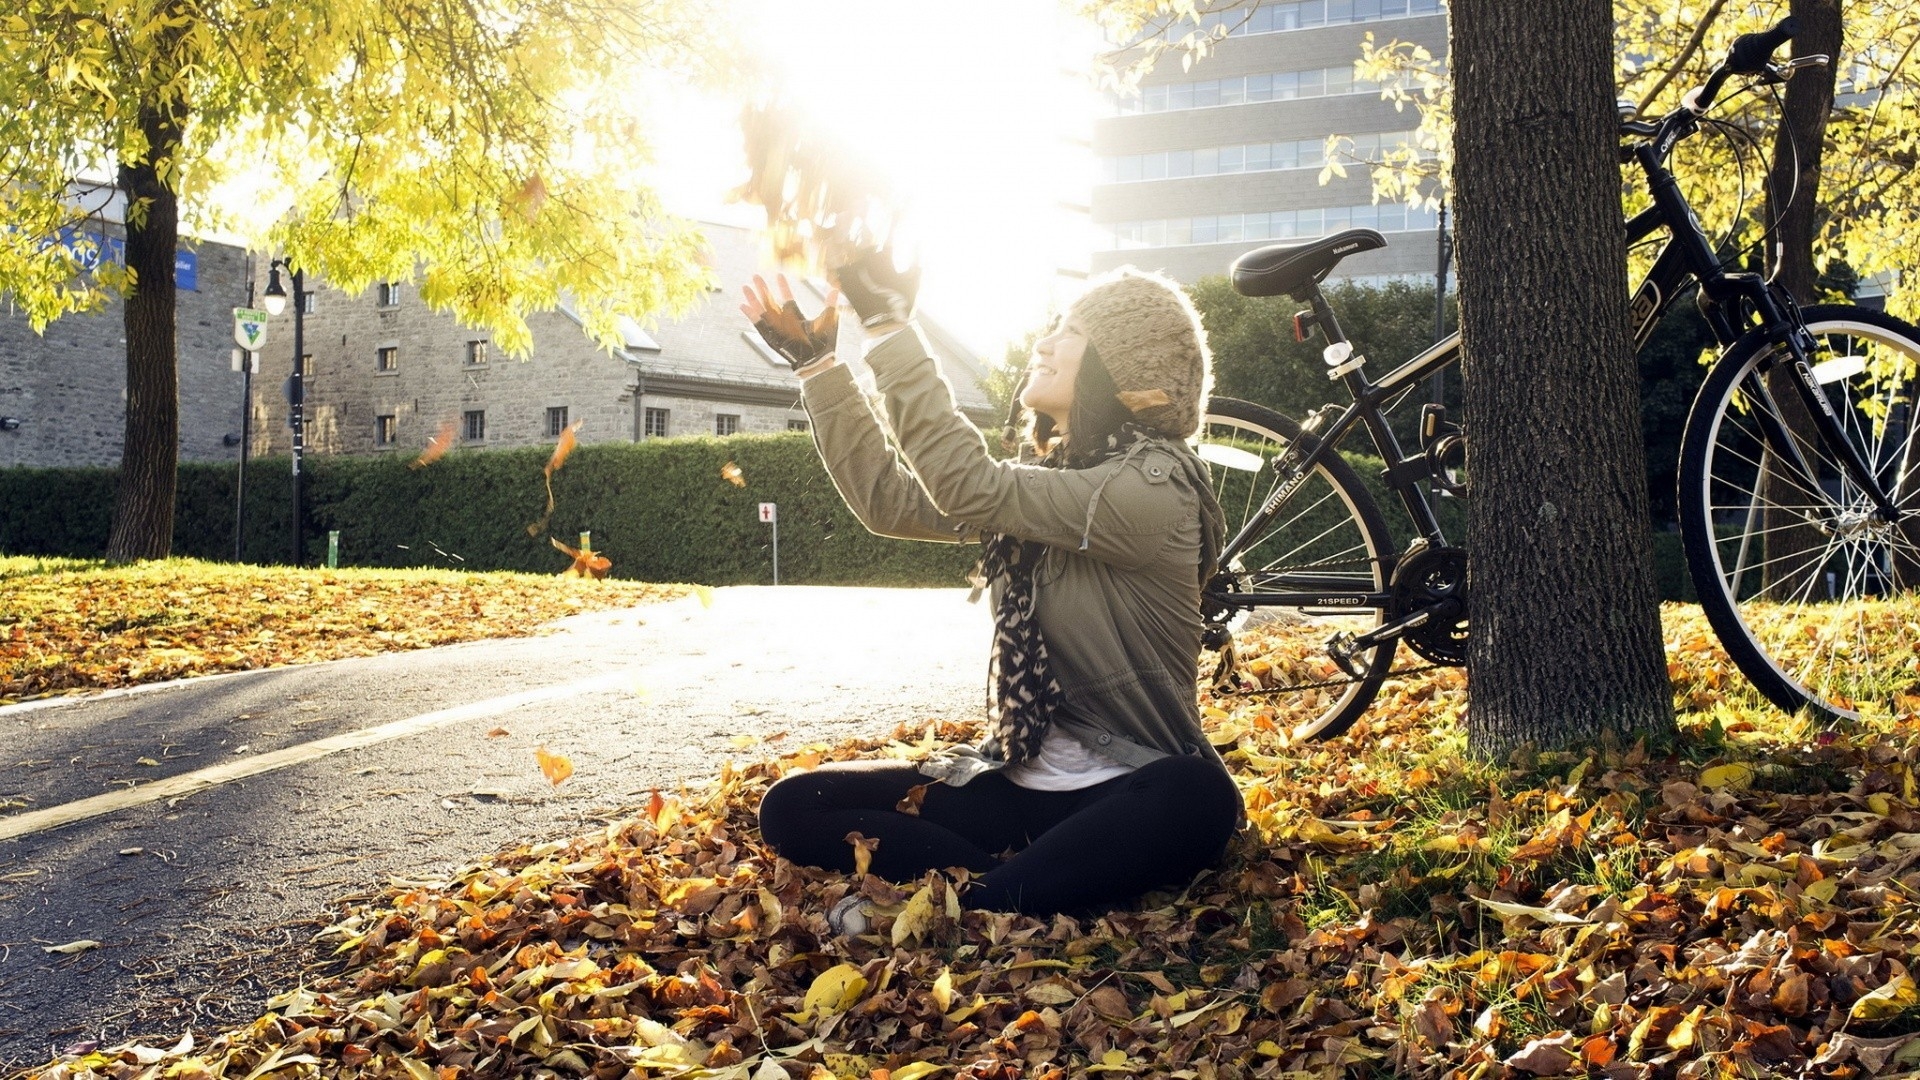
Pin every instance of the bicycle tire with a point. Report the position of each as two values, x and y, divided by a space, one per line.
1819 615
1330 524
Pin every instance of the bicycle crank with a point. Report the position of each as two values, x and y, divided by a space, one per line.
1429 611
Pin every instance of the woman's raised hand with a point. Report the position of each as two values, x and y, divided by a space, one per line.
806 343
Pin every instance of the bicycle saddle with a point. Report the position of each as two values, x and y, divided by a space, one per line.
1282 268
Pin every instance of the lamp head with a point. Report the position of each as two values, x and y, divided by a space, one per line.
275 298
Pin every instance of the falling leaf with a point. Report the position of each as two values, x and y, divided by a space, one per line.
863 849
586 564
732 474
704 593
437 446
498 732
530 197
555 460
146 761
910 803
133 851
555 767
71 947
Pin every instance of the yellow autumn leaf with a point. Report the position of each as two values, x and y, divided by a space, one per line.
555 767
71 947
1682 1035
705 594
916 919
1888 1001
916 1070
942 991
834 990
1734 777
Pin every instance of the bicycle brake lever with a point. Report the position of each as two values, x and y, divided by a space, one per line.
1814 60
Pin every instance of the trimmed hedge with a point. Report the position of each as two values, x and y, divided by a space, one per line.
659 509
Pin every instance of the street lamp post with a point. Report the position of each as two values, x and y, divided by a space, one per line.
275 299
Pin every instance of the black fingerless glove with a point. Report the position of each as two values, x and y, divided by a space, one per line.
801 342
879 293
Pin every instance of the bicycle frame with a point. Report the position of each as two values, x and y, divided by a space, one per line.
1735 305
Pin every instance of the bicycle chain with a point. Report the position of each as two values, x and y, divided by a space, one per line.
1325 685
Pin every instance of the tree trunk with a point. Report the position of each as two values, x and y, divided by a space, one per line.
1794 179
1566 647
149 460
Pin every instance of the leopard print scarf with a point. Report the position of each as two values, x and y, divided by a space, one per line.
1022 691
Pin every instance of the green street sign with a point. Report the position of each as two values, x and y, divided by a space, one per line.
249 328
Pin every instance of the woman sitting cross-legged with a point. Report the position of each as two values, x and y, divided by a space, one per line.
1095 774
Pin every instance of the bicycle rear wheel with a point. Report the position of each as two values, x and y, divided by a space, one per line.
1812 596
1328 537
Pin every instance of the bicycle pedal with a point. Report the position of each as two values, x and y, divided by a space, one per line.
1342 648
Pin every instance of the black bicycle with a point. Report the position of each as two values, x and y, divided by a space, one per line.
1799 479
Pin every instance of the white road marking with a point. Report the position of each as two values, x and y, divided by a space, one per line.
187 783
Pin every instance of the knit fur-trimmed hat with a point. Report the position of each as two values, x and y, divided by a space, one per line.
1148 335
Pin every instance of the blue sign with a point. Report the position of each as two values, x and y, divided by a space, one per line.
89 248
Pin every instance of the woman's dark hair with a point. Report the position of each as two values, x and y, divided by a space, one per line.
1096 416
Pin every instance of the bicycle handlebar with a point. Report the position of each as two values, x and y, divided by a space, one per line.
1752 54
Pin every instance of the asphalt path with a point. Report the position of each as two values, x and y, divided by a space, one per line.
203 831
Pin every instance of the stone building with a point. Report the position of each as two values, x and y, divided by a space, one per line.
386 374
1203 165
63 393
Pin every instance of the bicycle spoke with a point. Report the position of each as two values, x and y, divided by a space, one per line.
1828 620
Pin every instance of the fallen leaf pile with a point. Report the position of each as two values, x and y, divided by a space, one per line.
71 626
1743 905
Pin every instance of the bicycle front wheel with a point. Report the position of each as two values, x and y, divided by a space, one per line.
1810 590
1327 537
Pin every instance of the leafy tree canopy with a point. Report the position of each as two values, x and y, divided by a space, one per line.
1869 193
486 150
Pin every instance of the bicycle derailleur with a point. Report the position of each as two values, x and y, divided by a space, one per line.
1428 611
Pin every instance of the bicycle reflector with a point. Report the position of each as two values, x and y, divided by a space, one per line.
1303 324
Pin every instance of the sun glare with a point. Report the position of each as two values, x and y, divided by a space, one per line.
980 113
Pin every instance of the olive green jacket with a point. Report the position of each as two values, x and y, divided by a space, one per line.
1117 592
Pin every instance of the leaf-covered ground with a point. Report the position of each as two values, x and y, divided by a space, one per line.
69 625
1743 906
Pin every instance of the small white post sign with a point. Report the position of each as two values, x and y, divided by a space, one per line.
249 328
770 515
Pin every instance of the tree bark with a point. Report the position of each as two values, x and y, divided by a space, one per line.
1793 178
149 459
1566 647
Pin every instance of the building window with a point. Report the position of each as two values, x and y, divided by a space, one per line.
656 424
387 358
556 421
384 430
476 424
1276 225
1251 89
476 353
798 425
306 301
1256 157
388 294
725 424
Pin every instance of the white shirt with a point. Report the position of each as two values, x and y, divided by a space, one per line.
1064 764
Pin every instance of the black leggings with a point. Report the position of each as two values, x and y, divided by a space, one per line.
1073 850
